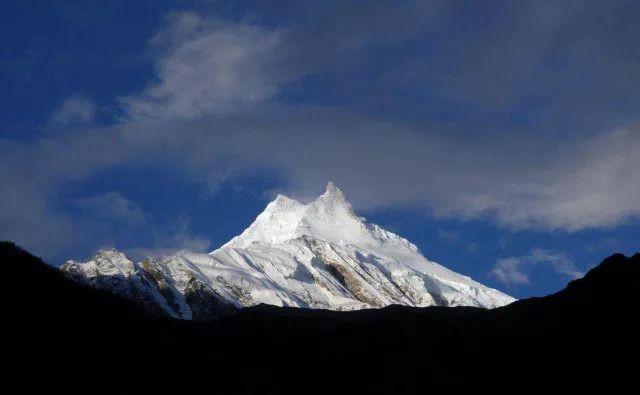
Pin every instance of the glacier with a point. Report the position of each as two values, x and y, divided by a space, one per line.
319 255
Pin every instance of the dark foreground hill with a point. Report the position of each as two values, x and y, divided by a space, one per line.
61 335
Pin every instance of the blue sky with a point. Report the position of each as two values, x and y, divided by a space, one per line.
502 138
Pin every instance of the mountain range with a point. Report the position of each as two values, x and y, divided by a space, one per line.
319 255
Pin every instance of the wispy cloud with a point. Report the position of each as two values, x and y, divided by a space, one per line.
112 207
515 270
175 237
74 110
209 66
218 107
447 235
509 271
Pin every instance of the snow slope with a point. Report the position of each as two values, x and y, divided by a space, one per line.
319 255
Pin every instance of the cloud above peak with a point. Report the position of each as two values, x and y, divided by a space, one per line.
501 121
209 67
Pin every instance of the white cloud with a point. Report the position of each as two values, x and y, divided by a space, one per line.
27 218
113 207
514 270
560 262
472 247
591 183
174 238
209 67
508 271
213 113
448 236
74 110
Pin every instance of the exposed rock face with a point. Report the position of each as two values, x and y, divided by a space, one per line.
319 255
150 284
110 270
203 302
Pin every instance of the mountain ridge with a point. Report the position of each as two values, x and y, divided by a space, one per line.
319 255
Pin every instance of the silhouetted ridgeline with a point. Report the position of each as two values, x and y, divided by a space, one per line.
65 335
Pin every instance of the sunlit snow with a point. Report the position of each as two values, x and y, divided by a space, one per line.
319 255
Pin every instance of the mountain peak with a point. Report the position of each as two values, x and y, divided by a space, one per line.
333 198
110 253
332 191
319 255
107 261
282 202
285 218
331 188
331 229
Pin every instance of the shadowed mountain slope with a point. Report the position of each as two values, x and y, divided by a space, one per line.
77 338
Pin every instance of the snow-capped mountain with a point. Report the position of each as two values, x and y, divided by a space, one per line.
318 255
